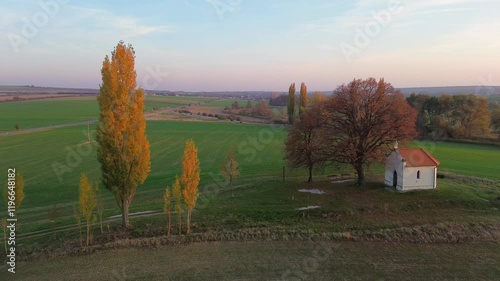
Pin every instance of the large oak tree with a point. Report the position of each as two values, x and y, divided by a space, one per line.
123 149
364 117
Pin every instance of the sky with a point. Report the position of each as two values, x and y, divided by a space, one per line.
246 45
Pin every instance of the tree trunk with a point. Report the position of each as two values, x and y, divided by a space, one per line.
88 233
310 173
169 222
188 221
361 174
179 218
125 213
80 229
100 220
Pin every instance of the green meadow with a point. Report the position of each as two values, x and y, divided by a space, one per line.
261 206
52 161
466 159
50 112
228 103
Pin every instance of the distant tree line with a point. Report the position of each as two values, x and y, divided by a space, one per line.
455 116
281 100
260 110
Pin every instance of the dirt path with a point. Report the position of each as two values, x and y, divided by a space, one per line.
51 231
39 129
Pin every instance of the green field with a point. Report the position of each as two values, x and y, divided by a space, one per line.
53 166
228 103
263 207
33 114
50 112
493 98
466 159
52 173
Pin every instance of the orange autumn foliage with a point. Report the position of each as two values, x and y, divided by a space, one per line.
364 118
123 147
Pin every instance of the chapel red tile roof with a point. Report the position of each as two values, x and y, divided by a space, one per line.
417 157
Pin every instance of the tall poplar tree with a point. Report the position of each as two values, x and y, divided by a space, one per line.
291 103
123 149
190 179
302 99
87 202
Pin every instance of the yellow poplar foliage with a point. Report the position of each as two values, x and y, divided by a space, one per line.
87 198
166 200
123 147
190 178
167 206
177 194
190 174
87 201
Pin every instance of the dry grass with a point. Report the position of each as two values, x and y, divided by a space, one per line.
277 261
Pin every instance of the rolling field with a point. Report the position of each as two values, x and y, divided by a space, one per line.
467 159
42 113
52 161
228 103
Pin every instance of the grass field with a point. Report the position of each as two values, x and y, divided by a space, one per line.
494 98
41 113
263 207
52 173
228 103
52 169
467 159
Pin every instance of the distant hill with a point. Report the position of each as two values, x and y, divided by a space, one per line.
453 90
32 90
491 92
